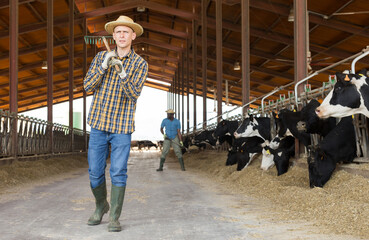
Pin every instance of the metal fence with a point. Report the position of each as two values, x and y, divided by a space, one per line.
34 137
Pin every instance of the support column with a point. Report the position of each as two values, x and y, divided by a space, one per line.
301 48
219 53
179 94
13 72
194 69
71 68
50 64
84 92
204 47
182 80
188 83
245 32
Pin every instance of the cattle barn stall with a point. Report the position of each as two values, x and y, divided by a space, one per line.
229 50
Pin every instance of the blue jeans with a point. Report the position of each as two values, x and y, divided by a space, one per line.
98 152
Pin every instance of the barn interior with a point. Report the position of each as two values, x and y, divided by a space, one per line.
248 53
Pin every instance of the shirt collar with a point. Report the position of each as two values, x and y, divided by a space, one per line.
130 54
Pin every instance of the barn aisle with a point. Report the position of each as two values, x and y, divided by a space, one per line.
158 205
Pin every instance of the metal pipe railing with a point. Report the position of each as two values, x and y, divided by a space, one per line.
366 52
357 57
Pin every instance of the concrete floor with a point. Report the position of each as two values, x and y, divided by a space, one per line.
158 205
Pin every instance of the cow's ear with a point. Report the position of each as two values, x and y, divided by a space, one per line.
251 117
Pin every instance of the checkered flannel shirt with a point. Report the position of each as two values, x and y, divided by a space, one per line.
114 100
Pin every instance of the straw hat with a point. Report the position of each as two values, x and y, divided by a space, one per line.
170 111
124 21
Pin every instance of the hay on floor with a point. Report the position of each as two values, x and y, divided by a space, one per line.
341 207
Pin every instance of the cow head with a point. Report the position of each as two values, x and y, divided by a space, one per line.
345 98
247 128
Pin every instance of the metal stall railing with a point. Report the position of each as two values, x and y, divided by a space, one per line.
34 137
294 99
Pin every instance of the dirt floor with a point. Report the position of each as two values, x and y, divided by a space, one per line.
341 207
208 201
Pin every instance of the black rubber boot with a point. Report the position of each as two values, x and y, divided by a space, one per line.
102 205
182 164
162 160
116 202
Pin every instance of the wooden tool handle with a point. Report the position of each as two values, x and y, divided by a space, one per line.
108 48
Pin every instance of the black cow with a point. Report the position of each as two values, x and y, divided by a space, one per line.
146 144
243 150
313 123
338 146
349 96
206 136
225 130
303 123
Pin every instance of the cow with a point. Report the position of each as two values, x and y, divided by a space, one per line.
303 123
350 95
241 147
282 154
160 144
313 124
146 144
338 146
225 130
267 157
206 136
253 126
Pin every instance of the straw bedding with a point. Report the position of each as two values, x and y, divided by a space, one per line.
23 172
341 207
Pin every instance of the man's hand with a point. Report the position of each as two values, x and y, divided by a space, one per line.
121 72
165 136
108 57
181 143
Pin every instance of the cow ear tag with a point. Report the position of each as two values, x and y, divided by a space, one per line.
347 79
268 152
294 110
352 116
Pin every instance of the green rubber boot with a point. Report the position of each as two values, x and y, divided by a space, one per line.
116 202
162 160
182 164
102 206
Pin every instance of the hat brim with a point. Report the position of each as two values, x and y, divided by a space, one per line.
109 27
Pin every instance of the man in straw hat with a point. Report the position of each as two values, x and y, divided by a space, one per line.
172 137
111 116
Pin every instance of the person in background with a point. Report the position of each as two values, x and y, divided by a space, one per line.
111 116
172 137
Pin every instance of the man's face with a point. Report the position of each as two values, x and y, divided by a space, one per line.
170 115
123 36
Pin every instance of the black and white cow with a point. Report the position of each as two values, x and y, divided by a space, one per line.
282 155
225 130
241 146
349 96
253 126
267 160
338 146
206 136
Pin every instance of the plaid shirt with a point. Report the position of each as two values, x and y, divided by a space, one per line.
114 102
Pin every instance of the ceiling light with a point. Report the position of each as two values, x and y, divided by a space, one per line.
44 65
236 65
291 16
141 9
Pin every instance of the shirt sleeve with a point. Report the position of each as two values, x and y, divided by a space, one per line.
162 123
132 85
95 73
